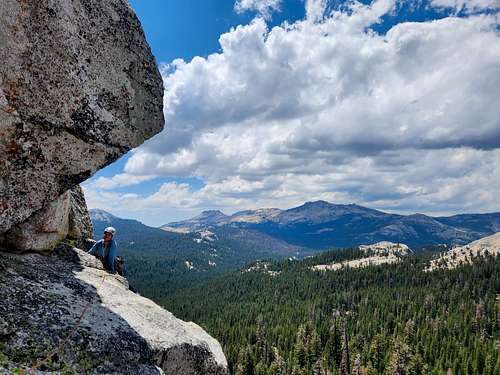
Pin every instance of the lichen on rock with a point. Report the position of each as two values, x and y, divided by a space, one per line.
79 87
65 218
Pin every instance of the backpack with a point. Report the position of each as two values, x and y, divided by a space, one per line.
119 265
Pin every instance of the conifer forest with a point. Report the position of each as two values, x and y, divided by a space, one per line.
396 319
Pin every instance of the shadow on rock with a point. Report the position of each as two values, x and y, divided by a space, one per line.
44 298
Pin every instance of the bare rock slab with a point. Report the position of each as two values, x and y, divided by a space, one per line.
462 255
120 333
79 87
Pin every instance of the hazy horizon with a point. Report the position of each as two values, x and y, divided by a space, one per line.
230 213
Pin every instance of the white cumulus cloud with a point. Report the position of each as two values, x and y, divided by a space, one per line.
119 181
468 5
326 108
263 7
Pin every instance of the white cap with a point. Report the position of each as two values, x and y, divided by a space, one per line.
110 230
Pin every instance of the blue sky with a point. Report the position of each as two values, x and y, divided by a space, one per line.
185 29
271 103
189 28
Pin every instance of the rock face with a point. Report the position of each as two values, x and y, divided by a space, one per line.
78 88
79 222
385 248
383 252
120 332
66 218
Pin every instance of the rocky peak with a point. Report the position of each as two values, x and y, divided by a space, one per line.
101 215
318 203
210 214
321 212
204 220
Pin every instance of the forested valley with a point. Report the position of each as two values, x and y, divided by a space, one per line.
281 317
284 318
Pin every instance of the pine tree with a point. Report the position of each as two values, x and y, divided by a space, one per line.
479 314
497 366
278 364
263 353
345 363
300 347
409 332
356 369
399 359
296 370
417 365
377 353
313 346
318 368
334 344
370 370
260 369
245 362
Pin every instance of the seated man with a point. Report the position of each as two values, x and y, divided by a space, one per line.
105 249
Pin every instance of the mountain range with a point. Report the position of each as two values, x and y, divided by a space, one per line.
161 261
323 225
179 253
215 269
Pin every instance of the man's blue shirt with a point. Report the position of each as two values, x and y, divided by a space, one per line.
108 256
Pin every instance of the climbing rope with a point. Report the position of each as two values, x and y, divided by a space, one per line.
63 343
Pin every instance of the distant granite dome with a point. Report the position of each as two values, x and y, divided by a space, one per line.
386 247
376 254
467 254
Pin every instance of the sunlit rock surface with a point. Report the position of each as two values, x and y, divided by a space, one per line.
43 298
463 255
386 248
383 252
